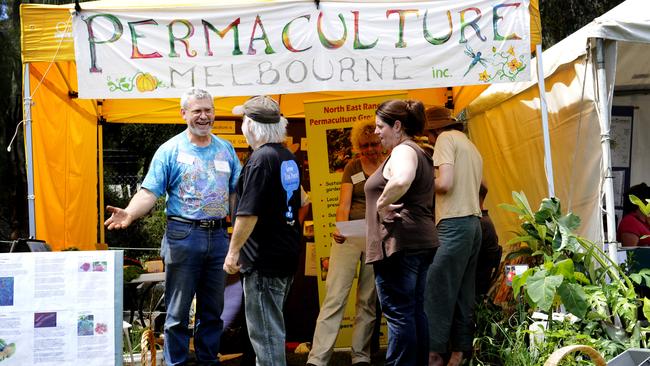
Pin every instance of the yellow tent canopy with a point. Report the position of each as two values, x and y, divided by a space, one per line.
64 132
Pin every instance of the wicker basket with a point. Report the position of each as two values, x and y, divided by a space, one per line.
559 354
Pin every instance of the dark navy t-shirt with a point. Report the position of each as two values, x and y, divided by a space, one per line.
269 188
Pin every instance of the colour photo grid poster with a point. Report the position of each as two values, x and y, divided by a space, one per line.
58 308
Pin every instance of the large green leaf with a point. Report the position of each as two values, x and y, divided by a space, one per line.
565 235
641 277
542 216
626 308
580 277
551 206
598 302
519 281
570 221
565 268
512 208
521 239
541 288
557 241
522 201
541 231
531 230
574 299
646 308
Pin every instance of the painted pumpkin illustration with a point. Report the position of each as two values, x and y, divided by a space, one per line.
146 82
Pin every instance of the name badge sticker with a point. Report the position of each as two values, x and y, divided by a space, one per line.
359 177
185 158
222 166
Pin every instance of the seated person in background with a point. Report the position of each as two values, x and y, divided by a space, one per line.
634 228
489 256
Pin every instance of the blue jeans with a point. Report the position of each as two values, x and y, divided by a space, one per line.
193 265
400 281
264 299
451 281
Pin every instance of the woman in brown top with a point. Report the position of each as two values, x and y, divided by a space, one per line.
401 234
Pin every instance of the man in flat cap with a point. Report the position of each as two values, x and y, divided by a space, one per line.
451 276
265 241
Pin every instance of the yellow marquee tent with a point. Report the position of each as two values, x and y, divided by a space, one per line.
63 132
585 75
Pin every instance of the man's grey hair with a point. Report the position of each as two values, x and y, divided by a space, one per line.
195 93
265 133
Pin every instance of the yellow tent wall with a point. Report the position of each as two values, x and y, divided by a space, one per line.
64 133
507 130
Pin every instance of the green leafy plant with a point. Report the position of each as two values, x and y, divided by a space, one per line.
567 272
131 272
572 272
502 334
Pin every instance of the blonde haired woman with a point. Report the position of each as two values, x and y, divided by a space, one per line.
346 253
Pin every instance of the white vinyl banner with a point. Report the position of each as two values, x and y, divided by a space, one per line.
293 47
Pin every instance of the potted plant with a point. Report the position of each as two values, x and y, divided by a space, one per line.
567 273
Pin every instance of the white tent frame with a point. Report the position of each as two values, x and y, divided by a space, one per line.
628 22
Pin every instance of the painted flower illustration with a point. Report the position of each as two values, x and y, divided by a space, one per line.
484 76
511 51
514 65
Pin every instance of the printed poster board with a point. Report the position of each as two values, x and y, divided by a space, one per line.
61 308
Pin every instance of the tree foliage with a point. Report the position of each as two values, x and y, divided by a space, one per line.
560 18
13 185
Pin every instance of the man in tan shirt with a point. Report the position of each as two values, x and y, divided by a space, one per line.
449 295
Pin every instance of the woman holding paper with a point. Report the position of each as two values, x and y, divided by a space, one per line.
346 254
401 232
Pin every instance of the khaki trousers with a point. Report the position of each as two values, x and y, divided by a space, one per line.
343 265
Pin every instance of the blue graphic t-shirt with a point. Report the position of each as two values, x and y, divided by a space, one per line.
197 180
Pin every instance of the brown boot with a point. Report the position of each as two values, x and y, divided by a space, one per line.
455 359
435 359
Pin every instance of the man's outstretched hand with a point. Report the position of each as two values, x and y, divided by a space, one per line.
119 219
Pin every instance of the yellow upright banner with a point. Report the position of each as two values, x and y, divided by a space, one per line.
328 125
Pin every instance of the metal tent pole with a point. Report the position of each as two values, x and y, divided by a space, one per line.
604 114
548 161
29 158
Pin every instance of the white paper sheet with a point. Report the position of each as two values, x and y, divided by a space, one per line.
352 229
